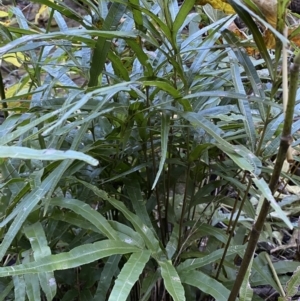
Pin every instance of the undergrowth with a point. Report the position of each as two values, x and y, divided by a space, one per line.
137 152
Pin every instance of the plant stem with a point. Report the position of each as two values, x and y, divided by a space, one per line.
231 232
285 142
2 95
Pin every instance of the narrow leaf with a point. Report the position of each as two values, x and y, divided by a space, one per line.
28 203
150 240
139 204
192 264
108 272
243 104
129 275
36 235
137 15
33 290
19 285
88 213
165 128
266 192
111 21
76 257
163 85
78 35
184 10
173 242
292 285
44 154
172 281
206 284
149 282
246 292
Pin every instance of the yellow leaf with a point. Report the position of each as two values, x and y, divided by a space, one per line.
218 4
14 59
269 39
6 23
267 7
18 89
3 14
42 17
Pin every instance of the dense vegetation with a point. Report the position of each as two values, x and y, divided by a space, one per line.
142 154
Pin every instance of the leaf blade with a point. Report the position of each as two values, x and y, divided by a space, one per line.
129 275
172 280
76 257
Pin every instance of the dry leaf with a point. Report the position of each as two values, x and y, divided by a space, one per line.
218 4
269 10
42 16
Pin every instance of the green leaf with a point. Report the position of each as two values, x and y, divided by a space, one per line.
184 10
270 132
173 242
44 154
139 204
74 219
243 104
165 128
32 284
163 85
28 203
293 284
102 47
244 158
172 281
76 35
146 233
118 66
236 153
8 137
261 267
110 91
206 284
127 234
19 285
250 70
208 230
37 238
246 292
137 15
173 9
192 264
129 275
148 283
108 272
266 192
88 213
283 267
6 291
76 257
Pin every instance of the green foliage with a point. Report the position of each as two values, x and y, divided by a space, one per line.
136 154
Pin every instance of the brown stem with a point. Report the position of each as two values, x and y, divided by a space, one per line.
285 142
2 96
